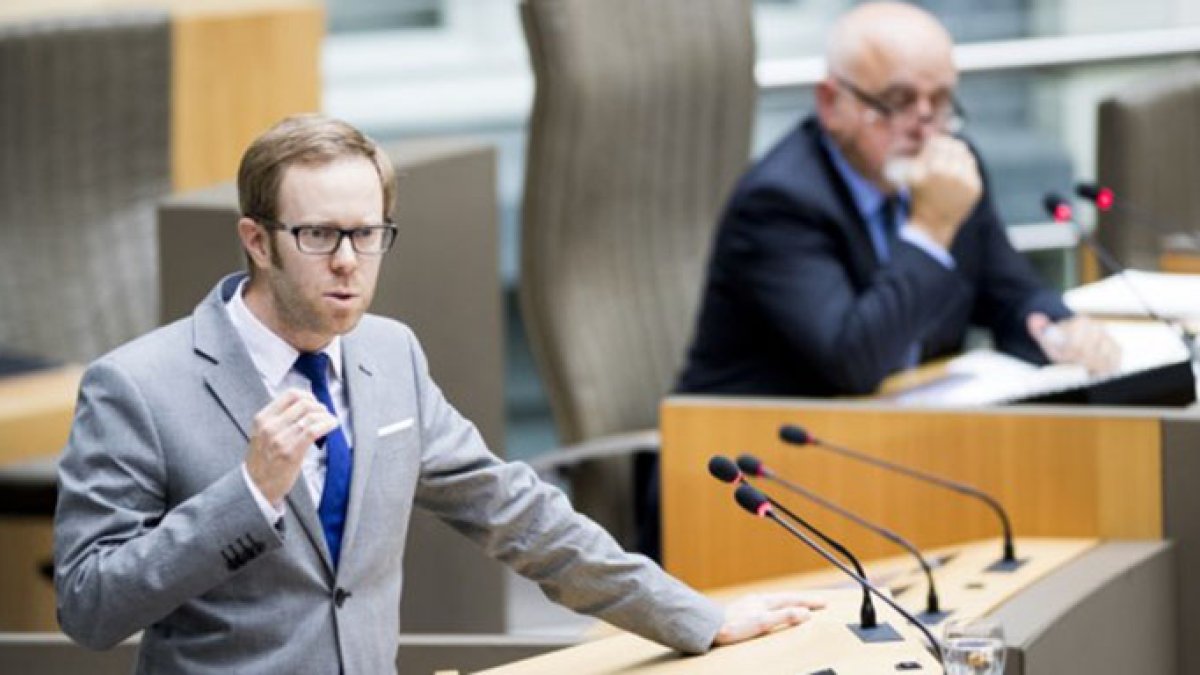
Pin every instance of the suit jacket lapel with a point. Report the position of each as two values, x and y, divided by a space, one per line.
364 411
217 341
837 198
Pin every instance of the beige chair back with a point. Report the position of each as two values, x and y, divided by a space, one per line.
642 122
83 159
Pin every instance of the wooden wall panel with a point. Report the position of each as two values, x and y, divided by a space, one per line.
234 73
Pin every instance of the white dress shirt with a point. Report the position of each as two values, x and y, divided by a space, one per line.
274 359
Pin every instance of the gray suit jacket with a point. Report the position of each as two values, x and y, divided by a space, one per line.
157 530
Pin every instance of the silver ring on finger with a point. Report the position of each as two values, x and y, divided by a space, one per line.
302 424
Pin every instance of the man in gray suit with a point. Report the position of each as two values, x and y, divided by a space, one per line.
238 484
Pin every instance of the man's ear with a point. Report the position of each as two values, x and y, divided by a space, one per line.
254 242
826 92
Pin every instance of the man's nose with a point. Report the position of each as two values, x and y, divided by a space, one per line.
344 257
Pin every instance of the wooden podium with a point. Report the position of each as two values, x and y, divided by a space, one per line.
1095 473
1044 606
812 647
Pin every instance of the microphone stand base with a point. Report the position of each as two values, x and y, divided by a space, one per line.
1006 565
933 618
880 633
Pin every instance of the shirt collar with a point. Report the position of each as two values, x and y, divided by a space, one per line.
271 354
868 199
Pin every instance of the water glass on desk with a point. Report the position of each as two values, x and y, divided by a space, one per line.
973 647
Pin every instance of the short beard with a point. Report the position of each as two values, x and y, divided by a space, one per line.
289 307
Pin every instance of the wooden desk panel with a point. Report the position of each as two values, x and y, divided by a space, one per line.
824 641
1059 475
35 419
1179 262
35 413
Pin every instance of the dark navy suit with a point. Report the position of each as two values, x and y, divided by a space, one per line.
797 303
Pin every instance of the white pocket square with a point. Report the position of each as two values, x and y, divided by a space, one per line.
396 427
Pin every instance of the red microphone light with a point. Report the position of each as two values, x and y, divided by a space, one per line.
1062 213
1104 199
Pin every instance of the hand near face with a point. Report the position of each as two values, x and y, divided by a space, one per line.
945 183
754 615
1076 340
279 439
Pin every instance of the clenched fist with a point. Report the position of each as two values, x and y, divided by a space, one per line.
945 184
279 439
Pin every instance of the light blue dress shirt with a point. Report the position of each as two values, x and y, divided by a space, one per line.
871 204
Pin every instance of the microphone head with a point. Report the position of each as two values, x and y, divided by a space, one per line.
1057 207
749 498
751 465
723 469
1099 195
796 435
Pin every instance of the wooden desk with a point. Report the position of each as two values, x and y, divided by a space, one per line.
35 419
35 413
820 643
824 641
1179 262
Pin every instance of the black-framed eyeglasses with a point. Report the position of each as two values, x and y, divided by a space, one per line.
901 107
325 239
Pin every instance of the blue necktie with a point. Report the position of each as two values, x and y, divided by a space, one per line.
893 213
338 459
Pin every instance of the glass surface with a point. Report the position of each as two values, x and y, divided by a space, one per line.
973 647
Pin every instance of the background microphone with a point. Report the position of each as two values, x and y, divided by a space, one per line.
795 435
752 466
1106 200
757 503
723 469
1102 197
1061 211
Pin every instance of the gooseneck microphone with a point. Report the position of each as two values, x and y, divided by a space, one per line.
1058 208
723 469
796 435
1103 198
757 503
753 466
1106 200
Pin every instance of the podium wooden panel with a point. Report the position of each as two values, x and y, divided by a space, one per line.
1080 474
1090 472
826 642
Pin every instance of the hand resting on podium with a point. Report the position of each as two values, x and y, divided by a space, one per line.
758 614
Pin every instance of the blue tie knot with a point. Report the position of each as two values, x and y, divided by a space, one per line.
314 366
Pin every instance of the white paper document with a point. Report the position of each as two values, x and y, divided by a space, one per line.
985 377
1171 296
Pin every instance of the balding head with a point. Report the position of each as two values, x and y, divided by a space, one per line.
879 36
884 57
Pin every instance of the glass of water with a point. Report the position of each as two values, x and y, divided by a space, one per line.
973 647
